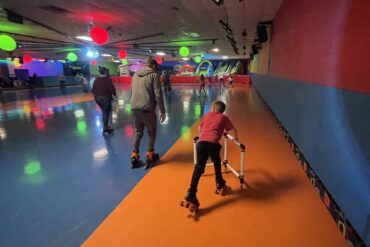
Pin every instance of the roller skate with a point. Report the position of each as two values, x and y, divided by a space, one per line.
151 159
221 188
190 201
107 131
135 160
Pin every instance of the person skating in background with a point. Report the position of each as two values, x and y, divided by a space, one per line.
104 92
146 95
202 85
211 128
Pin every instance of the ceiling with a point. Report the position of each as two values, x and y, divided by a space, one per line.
140 26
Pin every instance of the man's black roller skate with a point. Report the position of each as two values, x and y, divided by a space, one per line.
221 188
135 160
190 201
151 159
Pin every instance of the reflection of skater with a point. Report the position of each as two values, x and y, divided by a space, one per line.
104 91
62 83
167 81
202 85
146 94
84 82
211 127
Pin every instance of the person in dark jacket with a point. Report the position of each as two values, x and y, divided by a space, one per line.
104 92
146 95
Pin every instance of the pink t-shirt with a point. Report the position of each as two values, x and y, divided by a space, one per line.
212 127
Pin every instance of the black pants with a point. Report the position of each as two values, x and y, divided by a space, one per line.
105 105
204 150
144 119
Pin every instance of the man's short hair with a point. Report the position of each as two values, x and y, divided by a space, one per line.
151 62
219 106
102 70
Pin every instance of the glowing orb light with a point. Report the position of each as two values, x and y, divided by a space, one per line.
122 54
72 57
27 58
93 62
124 61
198 59
7 43
184 51
99 35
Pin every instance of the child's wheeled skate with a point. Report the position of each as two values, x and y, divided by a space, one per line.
221 189
135 160
192 203
151 159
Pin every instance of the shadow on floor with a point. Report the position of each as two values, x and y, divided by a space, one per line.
264 189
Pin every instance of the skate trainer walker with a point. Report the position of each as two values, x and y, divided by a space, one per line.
240 174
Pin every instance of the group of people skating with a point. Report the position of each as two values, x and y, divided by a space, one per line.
146 95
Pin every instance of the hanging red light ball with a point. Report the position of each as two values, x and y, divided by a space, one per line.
93 62
159 60
99 35
27 58
122 54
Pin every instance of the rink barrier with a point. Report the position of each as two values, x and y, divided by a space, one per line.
349 233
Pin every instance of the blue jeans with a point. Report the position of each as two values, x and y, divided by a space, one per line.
105 105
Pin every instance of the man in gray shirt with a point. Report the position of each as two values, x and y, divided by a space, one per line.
146 94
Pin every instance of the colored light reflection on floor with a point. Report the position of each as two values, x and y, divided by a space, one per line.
81 128
79 113
2 134
185 132
100 153
40 124
32 167
186 107
129 130
128 108
197 110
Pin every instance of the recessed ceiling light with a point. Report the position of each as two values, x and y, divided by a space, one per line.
185 58
116 61
86 38
161 53
225 57
106 55
215 50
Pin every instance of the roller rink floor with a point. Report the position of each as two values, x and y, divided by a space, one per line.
63 184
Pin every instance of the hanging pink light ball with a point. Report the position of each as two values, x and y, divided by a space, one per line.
27 58
99 35
122 54
93 62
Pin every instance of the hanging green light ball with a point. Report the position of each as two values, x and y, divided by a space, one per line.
184 51
7 43
72 57
124 61
198 59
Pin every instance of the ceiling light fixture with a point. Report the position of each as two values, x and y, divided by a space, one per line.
185 58
218 2
225 57
86 38
106 55
215 50
161 53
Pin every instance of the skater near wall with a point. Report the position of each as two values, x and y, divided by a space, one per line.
146 94
104 92
211 127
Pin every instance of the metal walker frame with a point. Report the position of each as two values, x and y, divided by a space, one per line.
239 175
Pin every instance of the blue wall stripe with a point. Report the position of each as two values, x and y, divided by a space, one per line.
332 129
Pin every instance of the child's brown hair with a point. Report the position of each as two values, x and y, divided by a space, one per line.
219 106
